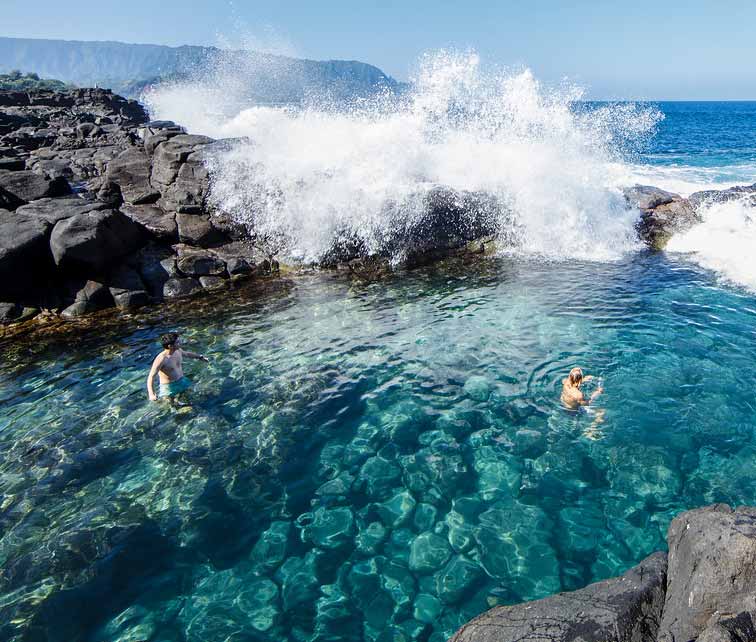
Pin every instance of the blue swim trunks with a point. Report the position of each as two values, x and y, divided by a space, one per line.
174 387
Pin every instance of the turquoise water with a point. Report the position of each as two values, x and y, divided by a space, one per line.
369 461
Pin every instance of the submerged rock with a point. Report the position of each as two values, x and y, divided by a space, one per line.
370 538
427 608
258 600
379 476
270 550
299 581
328 527
456 579
622 609
478 388
428 553
397 511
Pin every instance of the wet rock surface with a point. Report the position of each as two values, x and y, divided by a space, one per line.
663 214
65 155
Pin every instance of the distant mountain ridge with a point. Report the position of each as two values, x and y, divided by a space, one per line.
128 68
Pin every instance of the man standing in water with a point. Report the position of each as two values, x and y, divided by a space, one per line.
572 396
169 366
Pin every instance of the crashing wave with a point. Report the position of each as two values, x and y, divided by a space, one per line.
316 175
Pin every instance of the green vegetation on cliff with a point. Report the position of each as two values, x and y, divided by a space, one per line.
15 80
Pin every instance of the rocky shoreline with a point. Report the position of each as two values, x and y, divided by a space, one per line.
704 589
101 208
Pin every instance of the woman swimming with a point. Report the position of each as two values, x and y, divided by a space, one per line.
572 395
573 399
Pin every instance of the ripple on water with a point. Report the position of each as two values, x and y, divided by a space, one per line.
364 460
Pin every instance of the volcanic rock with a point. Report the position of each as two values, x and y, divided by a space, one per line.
24 251
127 287
18 188
154 221
93 240
196 229
131 172
9 312
712 569
646 197
176 288
745 193
197 262
53 210
621 609
92 296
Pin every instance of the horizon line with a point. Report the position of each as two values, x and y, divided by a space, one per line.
396 79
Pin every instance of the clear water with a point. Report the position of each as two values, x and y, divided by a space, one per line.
369 461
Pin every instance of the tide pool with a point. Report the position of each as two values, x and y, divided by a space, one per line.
375 461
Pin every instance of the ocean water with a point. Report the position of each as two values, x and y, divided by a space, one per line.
701 145
385 460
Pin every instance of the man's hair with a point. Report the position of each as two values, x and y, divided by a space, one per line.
168 339
576 376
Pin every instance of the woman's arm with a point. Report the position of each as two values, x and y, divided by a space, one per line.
595 394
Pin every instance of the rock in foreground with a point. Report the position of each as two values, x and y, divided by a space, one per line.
712 574
705 590
622 609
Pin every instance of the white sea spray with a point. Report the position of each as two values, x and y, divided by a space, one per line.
310 172
724 242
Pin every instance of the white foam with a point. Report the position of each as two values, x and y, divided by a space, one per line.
307 173
724 242
686 179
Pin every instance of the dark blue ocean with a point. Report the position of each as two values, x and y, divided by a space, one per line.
383 460
711 143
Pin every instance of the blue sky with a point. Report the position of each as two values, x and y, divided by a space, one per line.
641 49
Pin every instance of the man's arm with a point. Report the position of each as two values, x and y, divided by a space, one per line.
153 371
194 355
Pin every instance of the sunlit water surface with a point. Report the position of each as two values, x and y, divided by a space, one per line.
369 461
